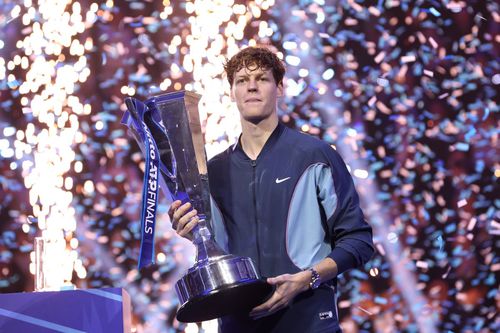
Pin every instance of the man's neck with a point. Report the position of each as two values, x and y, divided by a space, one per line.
254 136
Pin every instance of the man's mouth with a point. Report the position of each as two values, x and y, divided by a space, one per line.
252 100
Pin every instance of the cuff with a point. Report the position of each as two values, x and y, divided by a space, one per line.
343 259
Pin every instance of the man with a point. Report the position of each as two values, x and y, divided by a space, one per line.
286 200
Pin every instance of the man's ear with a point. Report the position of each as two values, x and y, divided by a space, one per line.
281 89
231 93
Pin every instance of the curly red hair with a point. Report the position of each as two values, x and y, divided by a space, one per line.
254 58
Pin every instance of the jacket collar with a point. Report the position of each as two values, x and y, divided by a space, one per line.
270 143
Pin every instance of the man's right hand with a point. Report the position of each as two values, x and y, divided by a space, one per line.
183 220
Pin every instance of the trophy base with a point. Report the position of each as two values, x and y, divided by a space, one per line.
227 285
230 299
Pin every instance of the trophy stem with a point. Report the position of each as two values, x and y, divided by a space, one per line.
206 248
201 232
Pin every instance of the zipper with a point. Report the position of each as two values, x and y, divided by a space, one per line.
253 163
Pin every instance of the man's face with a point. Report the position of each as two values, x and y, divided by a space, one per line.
255 93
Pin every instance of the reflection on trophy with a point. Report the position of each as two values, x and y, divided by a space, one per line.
219 283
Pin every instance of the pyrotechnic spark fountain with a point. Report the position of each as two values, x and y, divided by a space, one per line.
53 60
217 28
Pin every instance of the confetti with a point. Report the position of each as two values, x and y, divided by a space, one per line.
428 73
434 12
415 119
408 58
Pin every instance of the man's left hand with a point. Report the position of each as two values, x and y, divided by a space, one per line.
287 287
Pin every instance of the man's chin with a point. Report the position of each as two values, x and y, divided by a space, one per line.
255 119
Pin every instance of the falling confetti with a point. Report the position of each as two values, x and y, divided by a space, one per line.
408 88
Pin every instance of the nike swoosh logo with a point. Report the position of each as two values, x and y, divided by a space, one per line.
281 180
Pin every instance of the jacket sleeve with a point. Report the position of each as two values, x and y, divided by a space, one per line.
351 235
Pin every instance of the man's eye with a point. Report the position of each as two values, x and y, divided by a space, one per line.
240 81
263 78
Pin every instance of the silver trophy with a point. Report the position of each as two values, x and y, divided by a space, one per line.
219 283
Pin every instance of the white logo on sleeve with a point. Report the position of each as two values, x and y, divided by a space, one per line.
325 315
281 180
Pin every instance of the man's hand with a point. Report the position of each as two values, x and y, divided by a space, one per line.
287 287
183 220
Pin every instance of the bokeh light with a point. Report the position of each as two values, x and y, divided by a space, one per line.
405 90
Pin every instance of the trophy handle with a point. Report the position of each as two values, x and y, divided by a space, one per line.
168 182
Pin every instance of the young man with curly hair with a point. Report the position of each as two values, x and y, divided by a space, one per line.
286 200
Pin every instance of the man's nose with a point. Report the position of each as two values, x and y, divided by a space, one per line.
252 85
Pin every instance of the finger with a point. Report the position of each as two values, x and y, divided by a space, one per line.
173 210
259 314
278 306
189 227
268 312
181 211
264 307
178 216
261 308
185 220
262 315
173 207
278 279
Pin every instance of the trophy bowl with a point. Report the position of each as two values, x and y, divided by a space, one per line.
224 286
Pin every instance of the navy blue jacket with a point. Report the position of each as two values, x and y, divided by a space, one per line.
290 208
